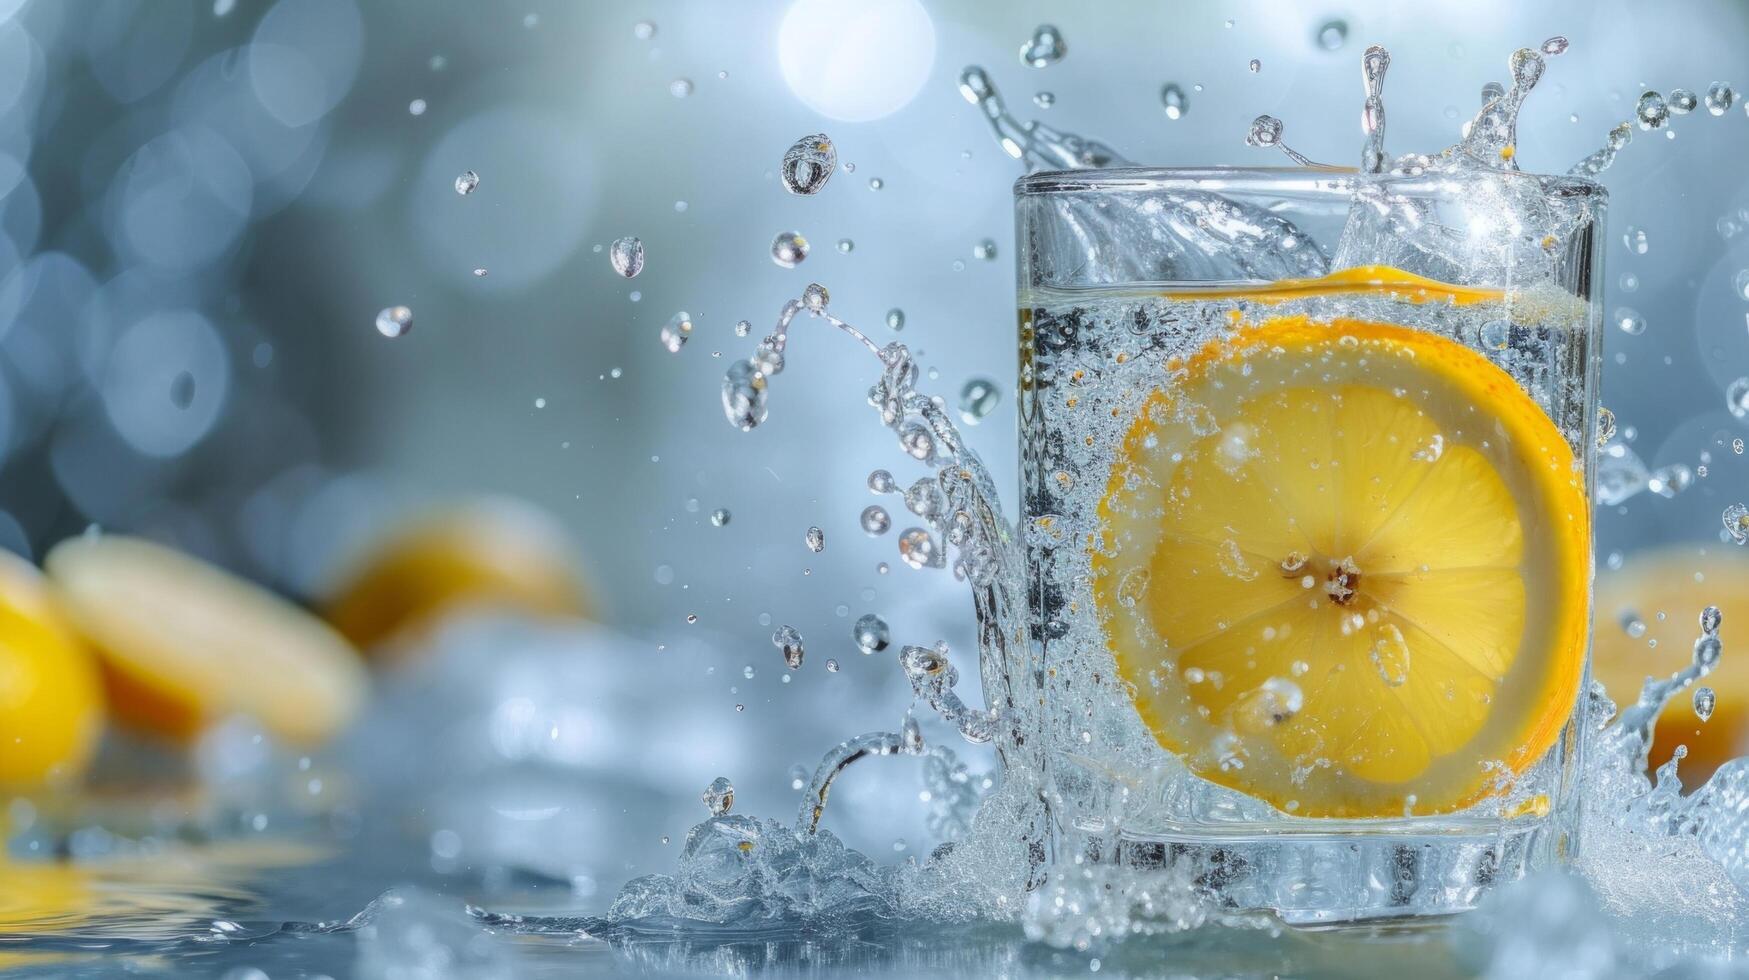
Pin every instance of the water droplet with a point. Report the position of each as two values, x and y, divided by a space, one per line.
1741 284
719 517
676 331
1736 518
1390 655
915 439
808 164
1044 100
1651 110
480 272
1255 66
743 328
416 107
875 183
643 30
1630 321
1172 100
788 249
1707 650
789 640
394 321
895 319
846 246
875 520
871 634
1332 34
1632 625
1682 101
1605 425
1737 397
1555 45
1704 701
1265 132
816 297
880 481
1046 47
1719 98
978 399
719 796
1737 446
1635 240
466 182
985 250
917 548
748 672
627 256
680 88
832 666
815 540
1711 619
182 389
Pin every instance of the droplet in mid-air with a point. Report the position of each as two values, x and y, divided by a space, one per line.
1046 47
789 248
1636 241
808 164
1737 397
1682 101
978 399
985 250
895 319
1719 98
875 521
720 517
416 107
871 634
917 548
880 481
1044 100
1255 66
719 796
643 30
680 88
466 182
816 297
1555 45
1332 34
1630 321
1605 425
815 539
789 640
627 256
743 328
1704 702
1265 132
1651 110
394 321
1736 520
676 331
1710 620
1173 101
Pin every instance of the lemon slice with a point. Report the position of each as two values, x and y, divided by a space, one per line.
1344 569
183 643
51 701
1647 622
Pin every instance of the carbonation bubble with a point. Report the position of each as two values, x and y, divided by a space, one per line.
1704 701
1652 111
917 548
1719 98
676 331
978 399
1173 101
880 481
789 248
466 182
895 319
1736 519
627 256
815 540
1046 47
680 88
1737 397
808 164
1332 34
394 321
789 640
719 517
1630 321
875 520
1635 239
719 796
985 250
871 634
1682 101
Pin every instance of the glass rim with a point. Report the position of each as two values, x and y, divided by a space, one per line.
1297 179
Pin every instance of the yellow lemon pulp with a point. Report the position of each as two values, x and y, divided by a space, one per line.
1344 569
1664 591
51 702
183 643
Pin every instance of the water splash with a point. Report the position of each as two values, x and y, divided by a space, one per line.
1373 65
1039 146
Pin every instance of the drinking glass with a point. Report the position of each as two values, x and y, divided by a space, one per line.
1228 379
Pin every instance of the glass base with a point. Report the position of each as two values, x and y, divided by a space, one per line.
1310 879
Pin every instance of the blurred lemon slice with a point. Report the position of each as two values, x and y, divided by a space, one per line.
51 701
1647 621
1343 569
184 643
496 553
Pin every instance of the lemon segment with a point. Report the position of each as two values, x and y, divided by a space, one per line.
1344 567
184 643
51 702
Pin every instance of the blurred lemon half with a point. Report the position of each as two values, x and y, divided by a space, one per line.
492 554
183 643
51 701
1647 621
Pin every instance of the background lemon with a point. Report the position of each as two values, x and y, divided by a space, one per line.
51 703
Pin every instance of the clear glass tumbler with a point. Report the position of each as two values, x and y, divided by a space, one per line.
1306 484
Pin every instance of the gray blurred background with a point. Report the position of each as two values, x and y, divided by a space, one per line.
204 203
